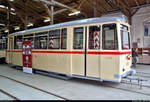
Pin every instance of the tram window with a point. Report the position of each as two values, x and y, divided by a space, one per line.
18 42
78 38
54 39
110 40
29 37
125 38
3 43
41 40
94 37
64 38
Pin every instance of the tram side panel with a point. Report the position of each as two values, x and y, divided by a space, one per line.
109 67
17 58
53 62
2 53
125 63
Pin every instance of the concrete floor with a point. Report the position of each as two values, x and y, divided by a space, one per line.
74 89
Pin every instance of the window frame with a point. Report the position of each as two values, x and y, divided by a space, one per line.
83 41
55 38
129 37
39 35
100 39
116 38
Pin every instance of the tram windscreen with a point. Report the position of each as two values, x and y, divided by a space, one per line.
110 39
125 38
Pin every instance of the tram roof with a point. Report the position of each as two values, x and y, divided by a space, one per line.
121 18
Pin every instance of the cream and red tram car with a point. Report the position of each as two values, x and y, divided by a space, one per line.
3 47
95 48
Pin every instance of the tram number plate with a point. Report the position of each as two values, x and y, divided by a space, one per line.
27 70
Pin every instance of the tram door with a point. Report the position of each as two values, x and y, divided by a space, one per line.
86 42
10 53
78 56
93 49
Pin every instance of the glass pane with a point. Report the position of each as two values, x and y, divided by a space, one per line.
94 37
110 40
54 39
64 39
41 40
18 42
125 37
29 37
3 42
78 38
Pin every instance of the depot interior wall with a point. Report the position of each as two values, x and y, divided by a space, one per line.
137 28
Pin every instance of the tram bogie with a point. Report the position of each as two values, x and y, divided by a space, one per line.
97 48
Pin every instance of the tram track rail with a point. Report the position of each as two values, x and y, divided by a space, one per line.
147 94
123 82
50 93
142 74
31 86
8 94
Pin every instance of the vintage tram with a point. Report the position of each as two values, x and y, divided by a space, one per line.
94 48
3 47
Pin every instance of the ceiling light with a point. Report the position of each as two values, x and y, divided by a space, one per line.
13 13
6 31
12 9
11 0
47 20
30 24
2 24
74 13
2 6
17 28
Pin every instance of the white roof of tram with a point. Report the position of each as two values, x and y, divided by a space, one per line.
121 18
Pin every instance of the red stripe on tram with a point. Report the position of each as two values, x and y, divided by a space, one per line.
63 52
110 53
77 52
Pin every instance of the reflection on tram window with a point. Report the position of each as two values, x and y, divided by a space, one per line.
18 42
54 39
94 37
125 38
64 38
110 39
29 37
41 40
3 43
78 38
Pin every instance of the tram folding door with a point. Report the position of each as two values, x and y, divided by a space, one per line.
10 54
27 57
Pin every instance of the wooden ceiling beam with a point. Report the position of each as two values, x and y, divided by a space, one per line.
55 3
137 3
17 12
133 12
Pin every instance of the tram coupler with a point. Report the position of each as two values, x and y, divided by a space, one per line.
139 81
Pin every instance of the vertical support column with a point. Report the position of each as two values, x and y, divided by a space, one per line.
26 17
8 19
52 14
95 8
